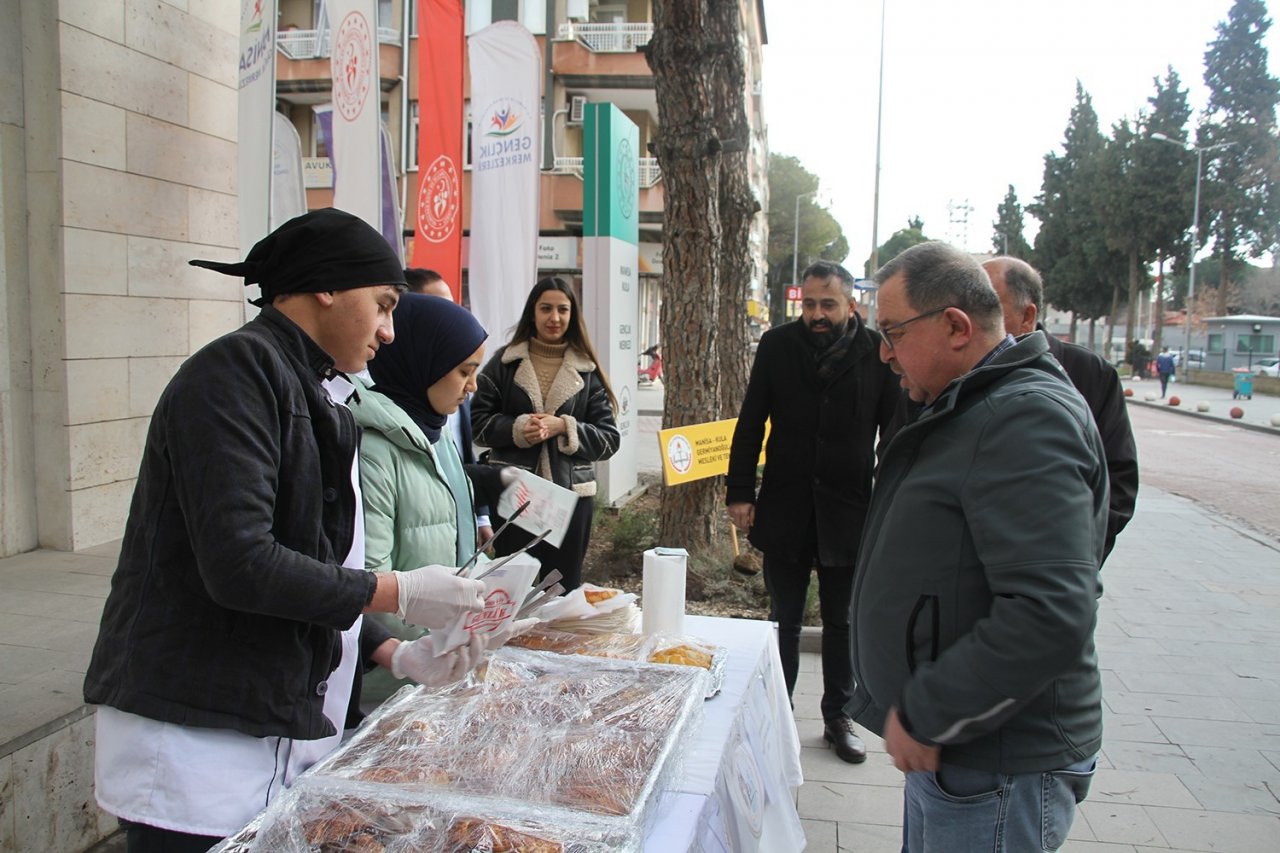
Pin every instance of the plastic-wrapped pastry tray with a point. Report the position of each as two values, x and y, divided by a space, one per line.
652 648
327 816
591 735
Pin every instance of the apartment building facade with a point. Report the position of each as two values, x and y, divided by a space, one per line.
118 163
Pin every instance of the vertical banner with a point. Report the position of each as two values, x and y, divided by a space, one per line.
357 108
505 71
437 239
392 216
610 272
256 108
288 192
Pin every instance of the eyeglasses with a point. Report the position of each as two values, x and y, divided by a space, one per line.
890 334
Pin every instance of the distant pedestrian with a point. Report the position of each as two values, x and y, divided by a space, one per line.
977 588
821 384
1021 295
1164 367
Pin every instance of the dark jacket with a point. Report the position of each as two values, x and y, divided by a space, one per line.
228 601
508 392
821 450
1099 384
975 595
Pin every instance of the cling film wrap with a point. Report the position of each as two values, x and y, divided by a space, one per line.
652 648
590 735
326 816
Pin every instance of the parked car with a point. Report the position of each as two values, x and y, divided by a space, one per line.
1267 367
1195 358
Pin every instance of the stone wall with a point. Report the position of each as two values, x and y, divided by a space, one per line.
129 126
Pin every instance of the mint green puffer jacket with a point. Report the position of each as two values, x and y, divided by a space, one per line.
410 516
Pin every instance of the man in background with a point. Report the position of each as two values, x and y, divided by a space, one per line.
1021 295
820 383
1165 368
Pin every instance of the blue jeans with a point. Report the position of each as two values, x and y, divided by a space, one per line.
959 810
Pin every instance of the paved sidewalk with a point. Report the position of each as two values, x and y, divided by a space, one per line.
1189 642
1257 412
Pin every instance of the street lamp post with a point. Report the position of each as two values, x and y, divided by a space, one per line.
795 241
1195 238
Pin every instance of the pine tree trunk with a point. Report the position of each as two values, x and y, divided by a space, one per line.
1157 336
737 207
1111 320
689 152
1130 320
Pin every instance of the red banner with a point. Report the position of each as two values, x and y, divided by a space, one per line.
437 241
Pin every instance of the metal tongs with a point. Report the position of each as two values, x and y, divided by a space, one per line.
502 561
488 542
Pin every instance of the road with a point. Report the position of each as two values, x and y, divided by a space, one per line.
1234 471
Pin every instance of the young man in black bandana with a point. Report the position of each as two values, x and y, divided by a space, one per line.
820 382
231 643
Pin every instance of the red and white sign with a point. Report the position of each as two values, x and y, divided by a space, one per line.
438 241
351 63
357 166
795 294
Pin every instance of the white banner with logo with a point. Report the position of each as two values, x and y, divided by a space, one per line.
356 109
505 154
256 108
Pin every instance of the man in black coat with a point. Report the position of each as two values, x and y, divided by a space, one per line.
1022 295
820 382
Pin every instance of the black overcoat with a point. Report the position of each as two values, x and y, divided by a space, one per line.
821 451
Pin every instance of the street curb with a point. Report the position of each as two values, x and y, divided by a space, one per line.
1204 416
811 639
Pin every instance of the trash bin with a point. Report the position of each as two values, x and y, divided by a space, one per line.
1243 384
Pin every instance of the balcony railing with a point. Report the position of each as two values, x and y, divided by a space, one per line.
649 172
607 38
314 44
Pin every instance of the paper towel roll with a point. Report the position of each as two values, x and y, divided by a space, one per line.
662 594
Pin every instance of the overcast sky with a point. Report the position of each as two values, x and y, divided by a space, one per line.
976 92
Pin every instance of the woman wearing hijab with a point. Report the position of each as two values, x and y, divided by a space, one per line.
544 405
418 504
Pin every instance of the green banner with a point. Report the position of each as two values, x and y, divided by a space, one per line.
611 178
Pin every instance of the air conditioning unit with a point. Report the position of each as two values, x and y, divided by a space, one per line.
577 109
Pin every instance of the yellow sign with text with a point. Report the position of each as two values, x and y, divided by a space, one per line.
698 451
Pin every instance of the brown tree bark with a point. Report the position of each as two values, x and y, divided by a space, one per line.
682 55
738 205
1131 321
1157 336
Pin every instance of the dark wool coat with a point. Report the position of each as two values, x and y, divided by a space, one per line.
227 604
1099 384
507 393
821 450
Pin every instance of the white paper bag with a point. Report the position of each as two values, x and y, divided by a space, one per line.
550 507
505 590
662 594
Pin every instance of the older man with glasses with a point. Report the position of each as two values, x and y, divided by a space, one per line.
976 586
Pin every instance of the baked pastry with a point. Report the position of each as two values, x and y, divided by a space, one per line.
595 596
683 654
471 834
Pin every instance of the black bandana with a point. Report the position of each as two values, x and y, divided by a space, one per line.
324 250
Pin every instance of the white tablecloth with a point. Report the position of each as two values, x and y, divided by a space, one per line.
736 787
